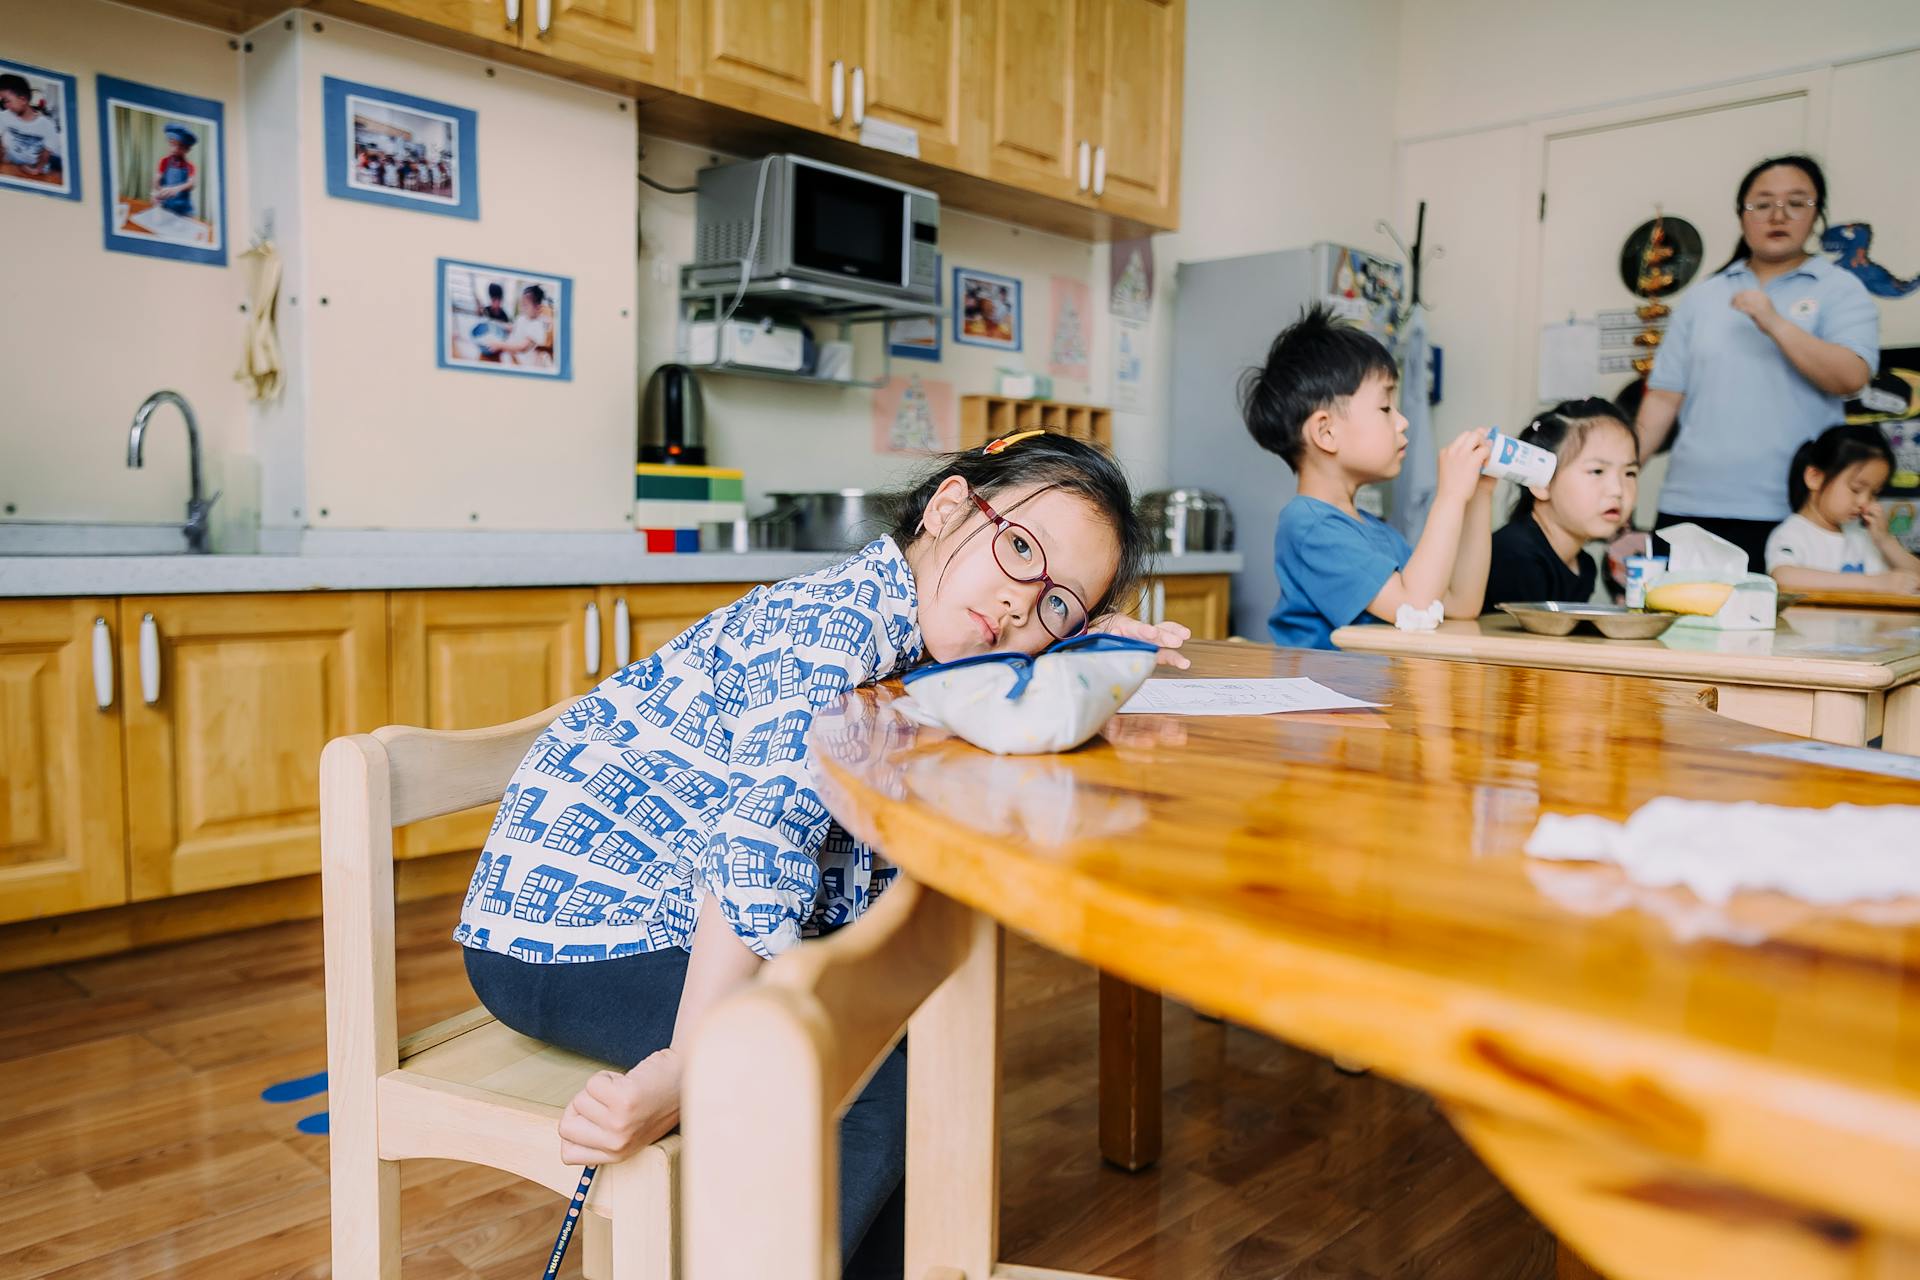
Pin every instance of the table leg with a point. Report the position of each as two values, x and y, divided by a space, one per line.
1842 717
1901 729
1129 1074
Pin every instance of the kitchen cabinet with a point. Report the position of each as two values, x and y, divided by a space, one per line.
1131 57
1199 601
776 59
62 842
628 39
912 65
1034 125
465 659
642 618
227 702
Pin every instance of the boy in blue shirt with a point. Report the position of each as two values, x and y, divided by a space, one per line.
1324 402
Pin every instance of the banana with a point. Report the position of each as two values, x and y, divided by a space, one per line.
1704 598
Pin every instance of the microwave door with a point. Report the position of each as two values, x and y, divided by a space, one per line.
845 228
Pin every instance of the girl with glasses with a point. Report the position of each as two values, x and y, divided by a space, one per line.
664 835
1756 361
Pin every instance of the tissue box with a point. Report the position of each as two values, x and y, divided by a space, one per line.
1753 606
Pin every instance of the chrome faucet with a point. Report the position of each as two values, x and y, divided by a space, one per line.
197 505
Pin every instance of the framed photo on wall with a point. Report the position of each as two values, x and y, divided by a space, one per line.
392 148
39 147
162 172
499 320
986 309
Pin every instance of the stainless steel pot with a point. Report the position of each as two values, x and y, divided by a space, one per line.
842 520
1184 521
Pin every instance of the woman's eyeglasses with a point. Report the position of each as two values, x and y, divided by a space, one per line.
1022 558
1793 205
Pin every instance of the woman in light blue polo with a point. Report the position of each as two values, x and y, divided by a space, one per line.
1756 361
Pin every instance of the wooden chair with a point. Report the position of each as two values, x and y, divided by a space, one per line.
468 1088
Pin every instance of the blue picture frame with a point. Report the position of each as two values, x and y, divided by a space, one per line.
338 99
1007 287
916 348
208 206
67 118
513 282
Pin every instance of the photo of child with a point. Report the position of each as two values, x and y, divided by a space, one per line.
163 172
391 148
37 147
401 152
496 320
987 309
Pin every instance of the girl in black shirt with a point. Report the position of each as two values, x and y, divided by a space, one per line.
1537 554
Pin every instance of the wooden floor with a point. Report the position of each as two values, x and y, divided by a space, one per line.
134 1141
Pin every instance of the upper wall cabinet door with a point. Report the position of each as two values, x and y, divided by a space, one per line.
62 845
1133 89
497 20
633 39
1031 106
772 58
910 66
228 702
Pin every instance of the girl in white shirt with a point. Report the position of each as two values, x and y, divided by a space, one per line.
1836 538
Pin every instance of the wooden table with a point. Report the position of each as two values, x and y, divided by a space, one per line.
1905 601
1843 676
1674 1103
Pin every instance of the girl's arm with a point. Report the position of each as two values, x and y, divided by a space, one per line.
1834 369
1900 578
1898 558
618 1114
1467 589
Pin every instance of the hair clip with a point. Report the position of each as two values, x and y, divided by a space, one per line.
1005 442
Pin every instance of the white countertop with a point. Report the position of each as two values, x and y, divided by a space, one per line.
380 562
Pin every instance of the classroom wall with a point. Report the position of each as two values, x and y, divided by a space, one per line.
91 333
1287 139
1472 112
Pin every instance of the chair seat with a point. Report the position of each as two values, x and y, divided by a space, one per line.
477 1050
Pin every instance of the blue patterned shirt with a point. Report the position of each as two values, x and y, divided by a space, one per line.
687 773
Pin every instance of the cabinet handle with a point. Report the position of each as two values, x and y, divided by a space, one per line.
859 96
102 664
593 639
149 660
542 17
1099 171
1086 166
513 14
839 89
622 635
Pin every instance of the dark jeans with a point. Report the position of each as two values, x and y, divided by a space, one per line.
620 1011
1748 535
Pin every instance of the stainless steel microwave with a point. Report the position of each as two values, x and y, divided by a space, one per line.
817 222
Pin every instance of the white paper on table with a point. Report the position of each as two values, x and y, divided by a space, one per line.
1569 360
1865 759
1237 697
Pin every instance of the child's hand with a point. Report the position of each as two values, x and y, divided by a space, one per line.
1897 580
1875 518
616 1115
1168 635
1633 542
1459 466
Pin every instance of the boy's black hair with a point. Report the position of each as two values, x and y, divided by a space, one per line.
13 82
1561 431
1051 461
1833 451
535 292
1317 361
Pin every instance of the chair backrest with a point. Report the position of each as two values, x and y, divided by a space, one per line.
431 772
